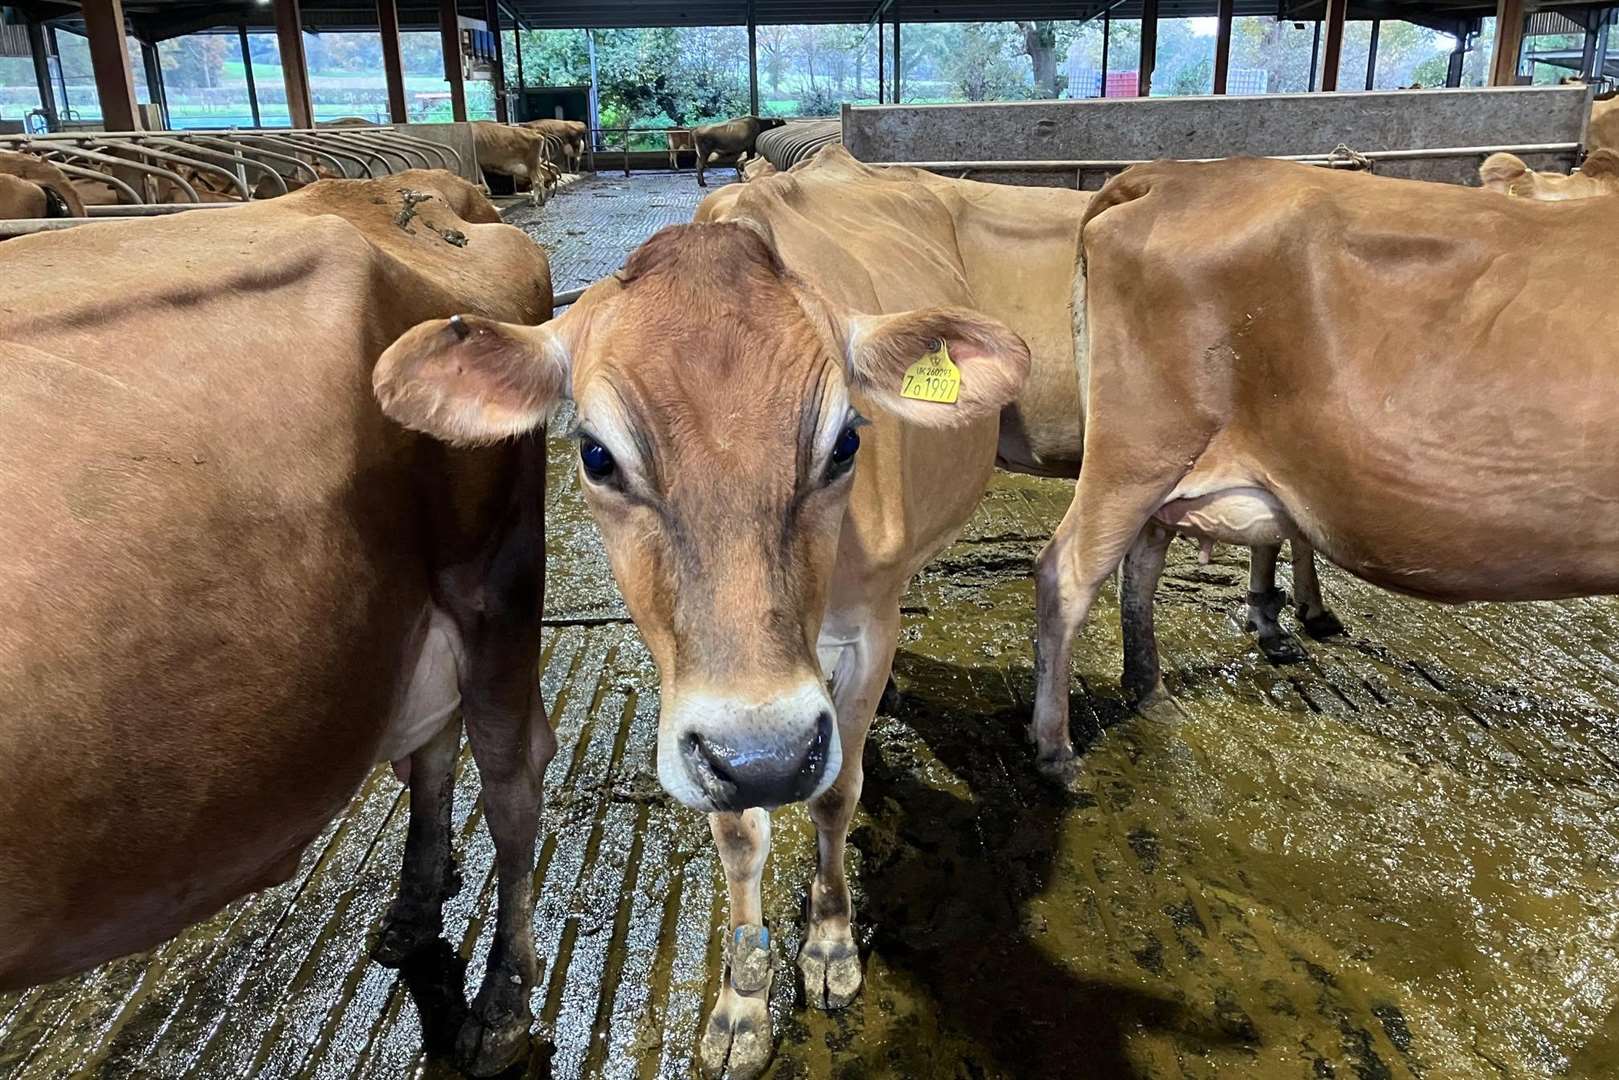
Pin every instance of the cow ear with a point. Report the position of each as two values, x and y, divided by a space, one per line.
469 380
1601 164
1500 171
936 367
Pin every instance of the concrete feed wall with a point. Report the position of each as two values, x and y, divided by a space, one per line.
1273 124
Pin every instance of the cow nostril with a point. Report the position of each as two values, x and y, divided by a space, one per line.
815 757
708 770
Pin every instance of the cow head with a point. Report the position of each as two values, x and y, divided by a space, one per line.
768 122
719 444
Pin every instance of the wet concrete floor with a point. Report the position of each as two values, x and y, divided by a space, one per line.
1399 859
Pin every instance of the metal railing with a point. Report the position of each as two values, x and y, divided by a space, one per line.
143 168
1343 157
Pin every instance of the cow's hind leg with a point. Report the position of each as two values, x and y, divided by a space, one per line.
1318 619
1101 525
416 916
701 163
512 743
1138 587
499 602
1265 604
737 1043
830 960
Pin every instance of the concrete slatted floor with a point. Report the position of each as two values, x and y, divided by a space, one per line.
1399 859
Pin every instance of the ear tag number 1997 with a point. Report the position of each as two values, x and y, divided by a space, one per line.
934 377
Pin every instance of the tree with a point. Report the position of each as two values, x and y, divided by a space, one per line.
1040 45
774 45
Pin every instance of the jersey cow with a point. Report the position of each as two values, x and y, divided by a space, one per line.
524 154
729 143
232 585
32 188
1508 175
569 136
1270 358
767 478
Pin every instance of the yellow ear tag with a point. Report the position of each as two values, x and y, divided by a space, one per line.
935 377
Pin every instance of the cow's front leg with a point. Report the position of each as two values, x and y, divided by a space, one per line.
737 1043
830 960
512 743
429 877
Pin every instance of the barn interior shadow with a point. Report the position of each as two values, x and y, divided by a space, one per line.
948 879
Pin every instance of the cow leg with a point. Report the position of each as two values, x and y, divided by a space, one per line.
536 178
1318 619
416 916
512 742
1265 604
1138 587
829 959
702 161
737 1043
1101 525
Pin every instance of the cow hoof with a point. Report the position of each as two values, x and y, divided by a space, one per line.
1282 648
1160 707
737 1044
490 1046
1061 768
1321 626
406 930
832 973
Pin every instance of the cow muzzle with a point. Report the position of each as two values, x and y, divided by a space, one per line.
720 752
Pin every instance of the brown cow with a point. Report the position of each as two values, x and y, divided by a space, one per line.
724 382
1019 247
1293 365
33 188
679 139
569 136
1603 131
729 143
1507 174
518 152
758 168
231 585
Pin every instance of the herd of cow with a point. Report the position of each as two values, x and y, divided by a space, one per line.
233 583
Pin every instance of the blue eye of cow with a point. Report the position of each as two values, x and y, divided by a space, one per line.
598 463
843 450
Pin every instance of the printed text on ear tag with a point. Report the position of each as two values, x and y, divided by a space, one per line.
935 377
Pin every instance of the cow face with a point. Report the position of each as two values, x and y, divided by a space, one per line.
719 443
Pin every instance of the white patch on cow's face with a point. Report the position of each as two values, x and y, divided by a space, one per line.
723 752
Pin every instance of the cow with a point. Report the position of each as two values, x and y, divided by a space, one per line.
729 143
1602 133
1508 175
33 188
521 153
678 139
569 136
1293 365
758 168
231 586
765 489
1020 249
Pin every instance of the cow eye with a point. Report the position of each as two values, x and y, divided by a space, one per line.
843 450
596 459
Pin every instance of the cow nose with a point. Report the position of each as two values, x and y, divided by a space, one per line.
738 777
